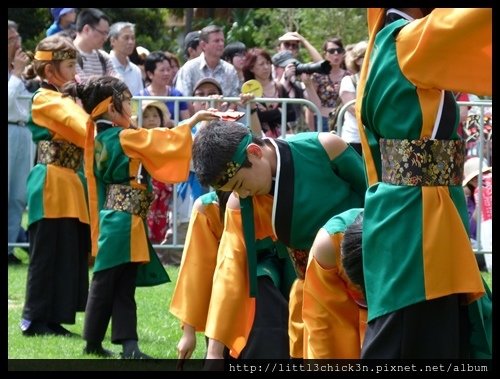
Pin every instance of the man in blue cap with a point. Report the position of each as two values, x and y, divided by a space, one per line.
64 18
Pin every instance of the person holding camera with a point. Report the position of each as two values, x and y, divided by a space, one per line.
286 76
324 88
291 41
292 75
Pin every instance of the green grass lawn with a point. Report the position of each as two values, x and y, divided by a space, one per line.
158 330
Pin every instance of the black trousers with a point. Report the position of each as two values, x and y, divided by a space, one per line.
434 329
112 295
58 278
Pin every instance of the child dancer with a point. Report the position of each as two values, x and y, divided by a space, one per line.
117 166
57 284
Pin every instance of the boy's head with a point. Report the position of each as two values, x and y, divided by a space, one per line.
227 157
192 48
351 250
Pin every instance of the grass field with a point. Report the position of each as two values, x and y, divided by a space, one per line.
158 330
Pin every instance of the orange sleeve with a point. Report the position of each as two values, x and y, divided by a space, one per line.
231 312
451 48
61 115
193 288
165 153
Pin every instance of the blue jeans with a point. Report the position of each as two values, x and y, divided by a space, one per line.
20 161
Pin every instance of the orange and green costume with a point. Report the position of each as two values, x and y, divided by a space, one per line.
415 240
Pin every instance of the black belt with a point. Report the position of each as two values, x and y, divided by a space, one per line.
18 123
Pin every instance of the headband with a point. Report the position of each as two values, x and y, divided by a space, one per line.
235 163
43 55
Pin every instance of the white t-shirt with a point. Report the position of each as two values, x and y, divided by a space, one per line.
349 131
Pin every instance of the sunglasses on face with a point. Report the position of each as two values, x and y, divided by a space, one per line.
334 50
289 45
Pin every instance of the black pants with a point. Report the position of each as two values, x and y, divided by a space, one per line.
112 295
434 329
58 278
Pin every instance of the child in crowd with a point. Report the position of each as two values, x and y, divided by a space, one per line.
470 184
64 19
154 115
117 166
57 284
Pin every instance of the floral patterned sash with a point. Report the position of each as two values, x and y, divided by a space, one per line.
122 197
423 162
60 153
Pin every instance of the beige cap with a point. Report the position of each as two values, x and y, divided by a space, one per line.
288 36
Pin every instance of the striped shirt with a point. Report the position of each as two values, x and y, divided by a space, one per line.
92 65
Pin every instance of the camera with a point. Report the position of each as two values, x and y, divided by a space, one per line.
321 67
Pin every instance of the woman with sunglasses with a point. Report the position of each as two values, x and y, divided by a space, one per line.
323 89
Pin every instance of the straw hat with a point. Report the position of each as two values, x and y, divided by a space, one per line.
471 169
153 103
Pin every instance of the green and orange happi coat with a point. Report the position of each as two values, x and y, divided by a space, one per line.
56 185
415 240
118 153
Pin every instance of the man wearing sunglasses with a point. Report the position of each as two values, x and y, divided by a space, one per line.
92 27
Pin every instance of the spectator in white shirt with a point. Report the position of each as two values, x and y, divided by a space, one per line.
122 39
